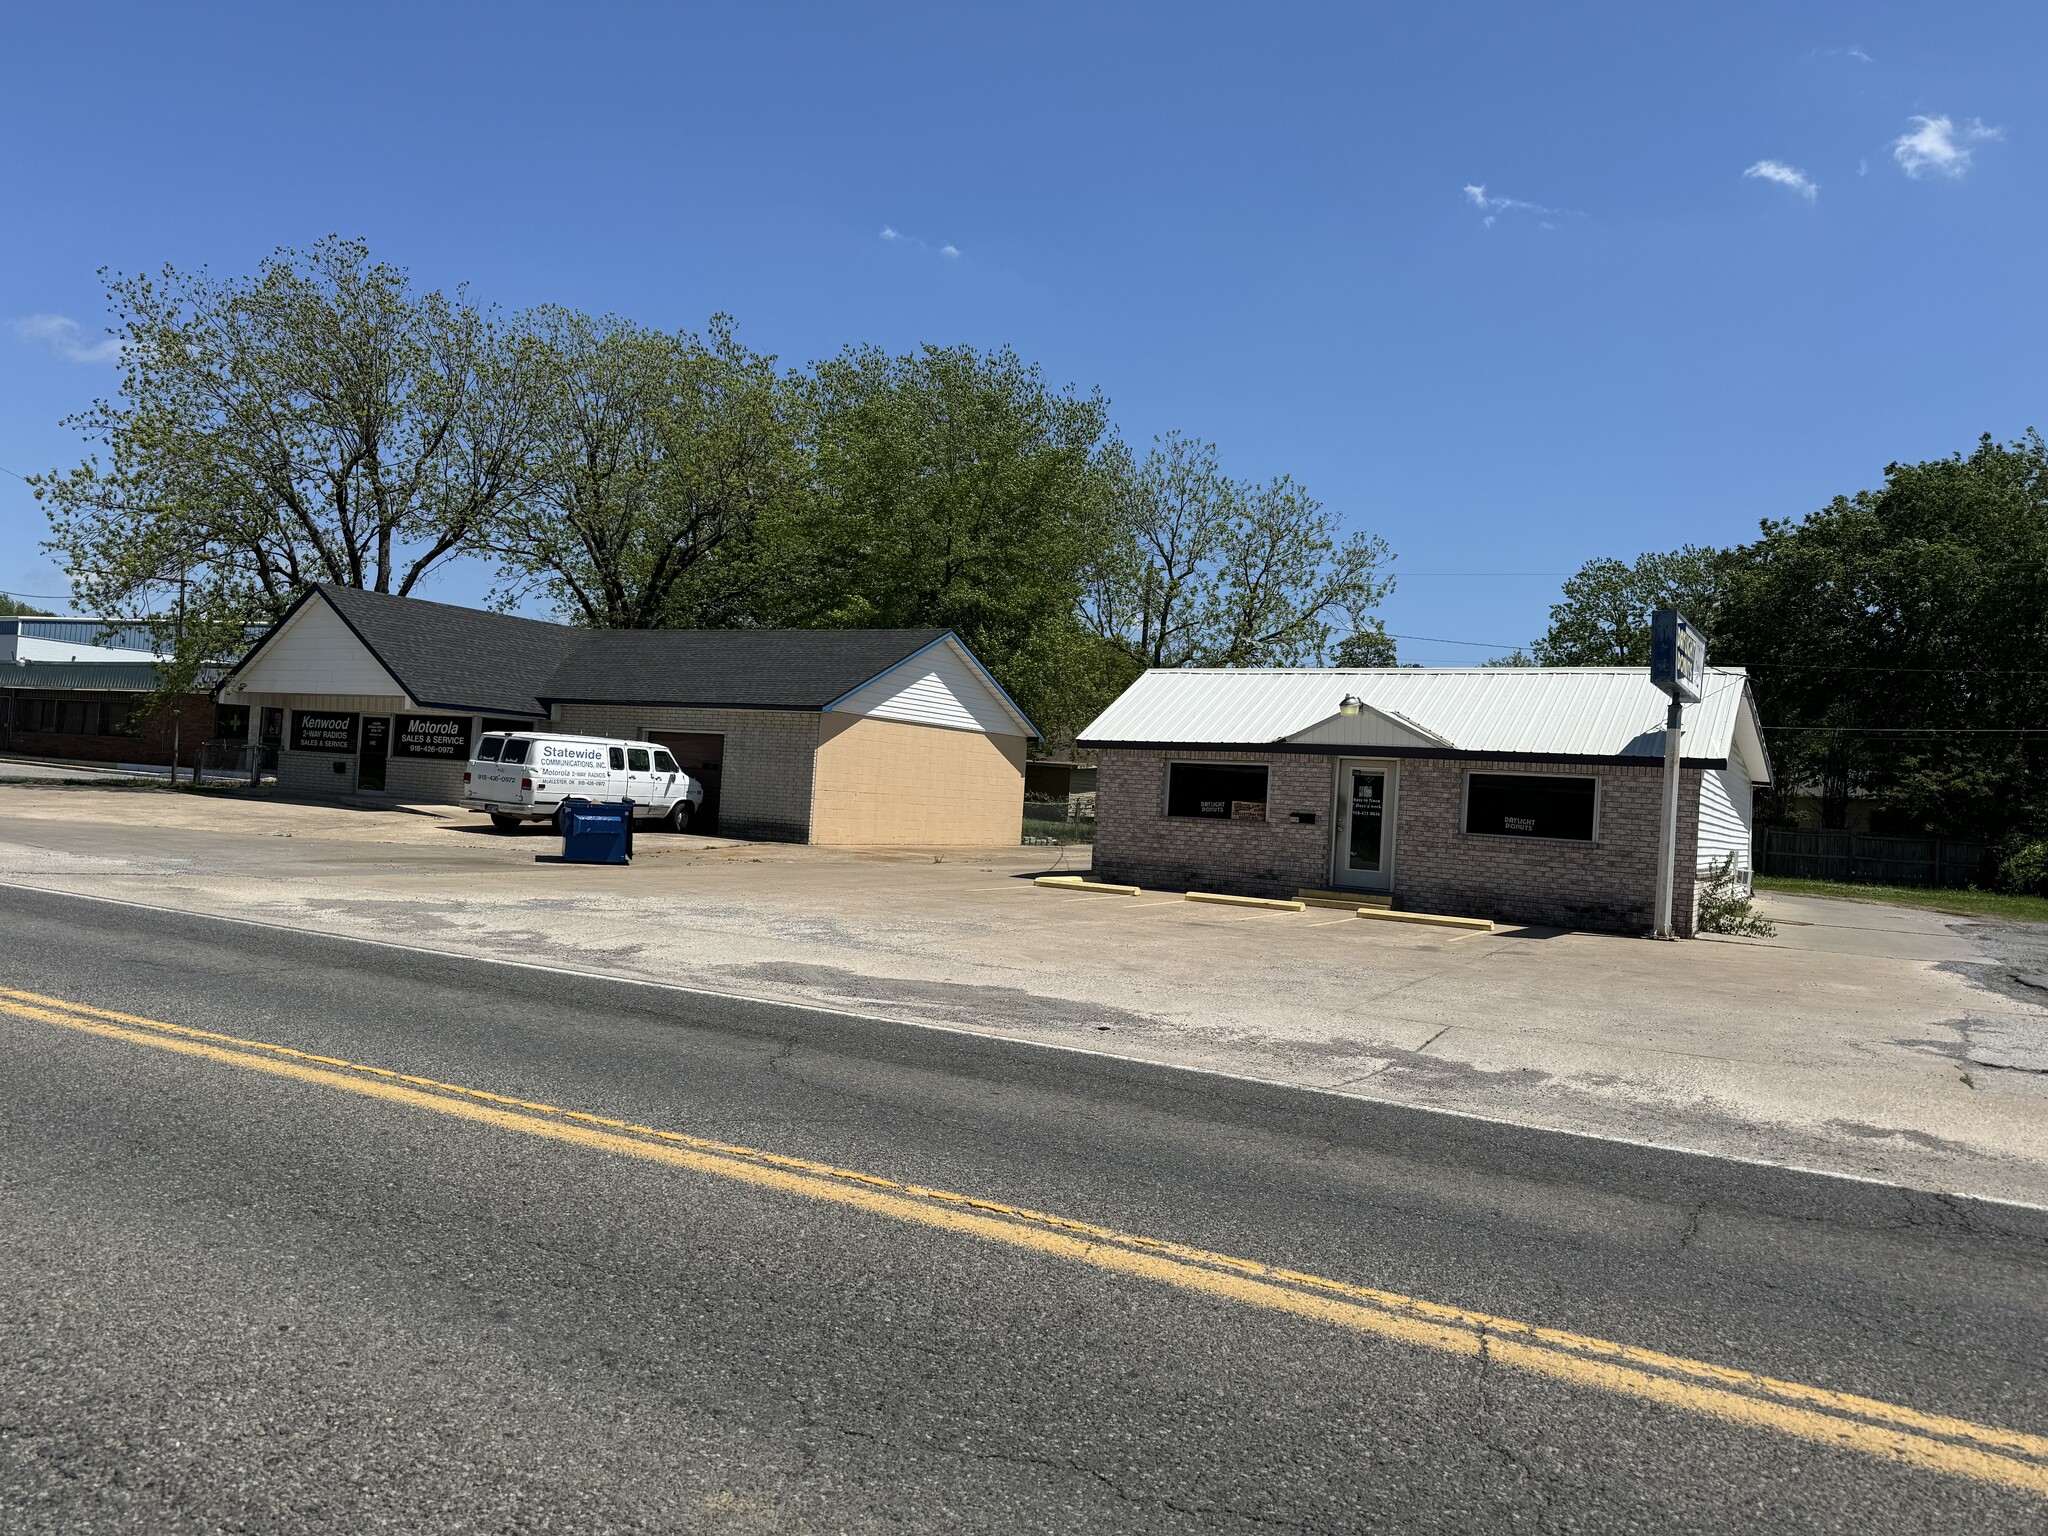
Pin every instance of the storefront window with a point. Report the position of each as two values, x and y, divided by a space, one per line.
1530 805
1216 791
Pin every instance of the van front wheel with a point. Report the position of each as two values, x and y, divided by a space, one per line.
678 818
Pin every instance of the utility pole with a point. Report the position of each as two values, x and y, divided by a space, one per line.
1678 666
1667 839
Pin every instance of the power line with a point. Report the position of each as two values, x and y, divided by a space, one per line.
1917 730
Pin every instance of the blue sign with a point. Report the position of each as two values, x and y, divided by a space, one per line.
1678 655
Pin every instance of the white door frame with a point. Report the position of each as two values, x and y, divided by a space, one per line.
1381 879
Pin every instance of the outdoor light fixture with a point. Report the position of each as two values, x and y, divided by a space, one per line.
1352 704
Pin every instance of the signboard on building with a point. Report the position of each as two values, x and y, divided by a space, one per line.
1678 655
323 730
445 737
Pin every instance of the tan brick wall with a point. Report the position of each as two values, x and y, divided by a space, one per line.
885 783
765 786
1137 843
1607 884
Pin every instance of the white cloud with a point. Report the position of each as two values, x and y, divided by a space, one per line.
895 236
1785 176
1494 207
66 337
1936 144
1851 52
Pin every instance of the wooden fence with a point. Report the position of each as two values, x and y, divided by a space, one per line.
1943 862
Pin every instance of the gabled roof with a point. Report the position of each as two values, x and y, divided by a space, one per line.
1535 712
735 668
448 657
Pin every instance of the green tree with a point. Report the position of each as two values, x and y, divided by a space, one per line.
1895 639
657 459
1203 570
321 421
12 607
954 488
1603 617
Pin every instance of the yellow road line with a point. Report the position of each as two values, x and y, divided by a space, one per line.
1889 1431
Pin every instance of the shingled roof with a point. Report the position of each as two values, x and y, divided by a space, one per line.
734 668
449 657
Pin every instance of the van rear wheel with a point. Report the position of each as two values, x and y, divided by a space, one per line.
678 818
506 823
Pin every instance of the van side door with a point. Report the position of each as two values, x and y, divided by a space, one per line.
616 783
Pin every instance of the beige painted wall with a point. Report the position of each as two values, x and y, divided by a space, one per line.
884 783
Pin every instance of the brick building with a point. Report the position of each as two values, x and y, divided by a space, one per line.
84 688
1522 794
863 737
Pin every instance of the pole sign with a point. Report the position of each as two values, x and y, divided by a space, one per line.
1678 656
316 730
436 736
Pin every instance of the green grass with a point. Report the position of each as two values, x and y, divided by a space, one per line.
1062 831
2023 909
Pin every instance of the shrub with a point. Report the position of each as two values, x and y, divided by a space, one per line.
2023 867
1726 908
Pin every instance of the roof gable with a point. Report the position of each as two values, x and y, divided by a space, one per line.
314 651
941 685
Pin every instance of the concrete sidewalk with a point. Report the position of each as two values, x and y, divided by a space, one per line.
1870 1040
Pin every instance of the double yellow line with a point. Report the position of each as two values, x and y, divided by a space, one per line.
1888 1431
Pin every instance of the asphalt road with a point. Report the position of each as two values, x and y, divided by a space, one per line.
247 1290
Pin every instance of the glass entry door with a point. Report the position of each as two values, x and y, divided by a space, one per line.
1364 855
376 748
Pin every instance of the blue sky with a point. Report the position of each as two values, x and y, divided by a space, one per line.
1254 224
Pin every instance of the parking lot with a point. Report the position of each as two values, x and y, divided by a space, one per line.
1863 1039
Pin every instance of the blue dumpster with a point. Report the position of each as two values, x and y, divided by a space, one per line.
597 832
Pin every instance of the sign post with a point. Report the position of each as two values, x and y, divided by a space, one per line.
1678 665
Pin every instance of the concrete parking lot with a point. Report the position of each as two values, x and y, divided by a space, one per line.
1864 1040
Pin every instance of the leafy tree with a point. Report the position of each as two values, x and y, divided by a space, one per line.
1203 570
954 488
321 421
1603 619
12 607
1895 639
656 459
1515 658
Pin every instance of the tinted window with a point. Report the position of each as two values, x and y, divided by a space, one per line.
618 759
663 763
636 759
1216 791
487 749
515 751
1529 805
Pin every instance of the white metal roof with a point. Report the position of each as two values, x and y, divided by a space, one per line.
1526 711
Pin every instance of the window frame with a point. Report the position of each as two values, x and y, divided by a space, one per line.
1465 808
1166 789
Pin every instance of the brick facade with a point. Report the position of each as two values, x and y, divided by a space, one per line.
765 787
150 741
1606 884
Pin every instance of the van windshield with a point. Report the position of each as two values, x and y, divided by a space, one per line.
515 751
487 749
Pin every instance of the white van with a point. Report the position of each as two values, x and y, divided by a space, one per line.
523 776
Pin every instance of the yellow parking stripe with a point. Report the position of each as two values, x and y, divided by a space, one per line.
1889 1431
